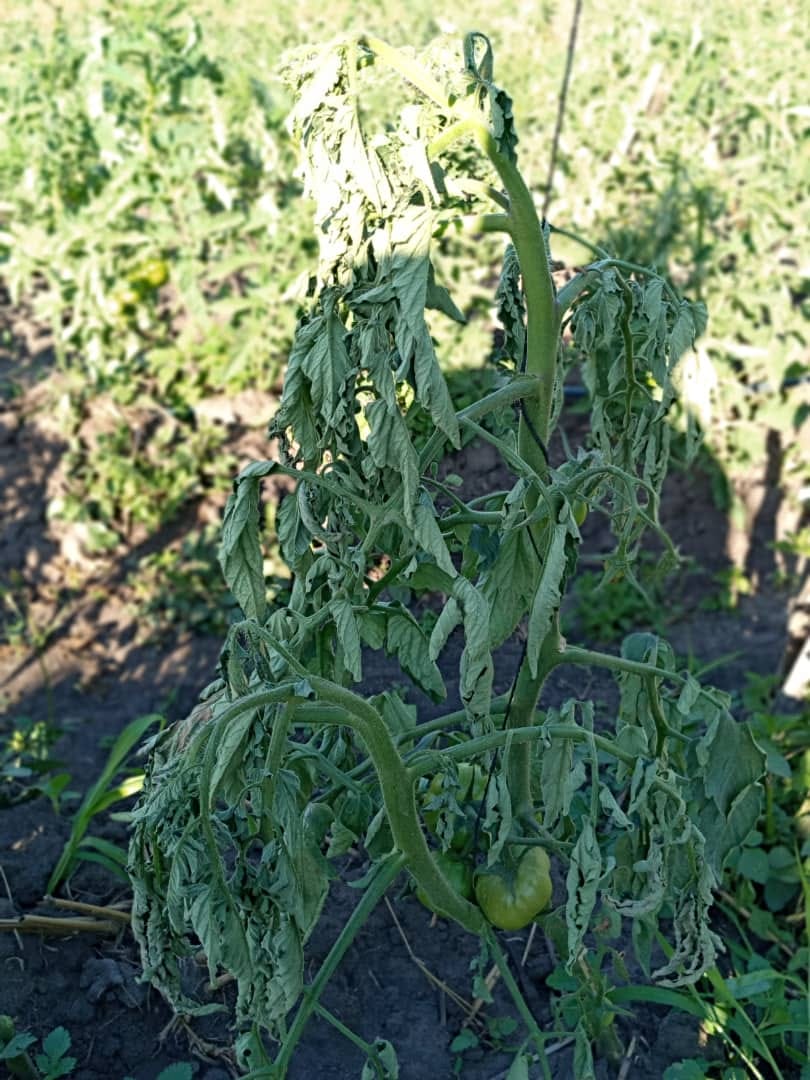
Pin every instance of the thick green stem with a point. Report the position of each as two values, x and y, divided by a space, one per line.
542 323
530 734
542 341
468 125
572 654
521 387
397 789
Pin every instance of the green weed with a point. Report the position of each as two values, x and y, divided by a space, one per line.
103 794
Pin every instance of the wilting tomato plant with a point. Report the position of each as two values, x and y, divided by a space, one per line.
286 762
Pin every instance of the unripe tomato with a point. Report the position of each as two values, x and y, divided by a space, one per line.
458 873
152 274
472 786
512 897
472 780
580 509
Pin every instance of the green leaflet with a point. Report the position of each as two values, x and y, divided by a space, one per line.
429 537
390 447
348 637
240 554
608 804
731 760
468 604
449 618
511 309
584 876
549 593
375 353
297 412
410 267
386 1055
727 766
689 324
293 536
689 695
228 746
439 299
583 1054
491 98
372 628
562 775
476 668
398 715
405 639
510 584
324 360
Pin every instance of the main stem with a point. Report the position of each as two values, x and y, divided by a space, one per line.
542 335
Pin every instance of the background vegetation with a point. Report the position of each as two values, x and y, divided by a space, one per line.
150 216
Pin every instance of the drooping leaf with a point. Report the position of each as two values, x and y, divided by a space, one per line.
449 618
438 298
547 598
390 447
561 775
386 1055
293 537
730 760
510 584
326 363
240 554
428 535
476 669
690 322
511 308
406 640
348 637
584 874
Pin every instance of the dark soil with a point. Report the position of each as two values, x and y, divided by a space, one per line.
80 662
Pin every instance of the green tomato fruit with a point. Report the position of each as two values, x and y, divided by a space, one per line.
472 785
151 274
472 781
580 509
6 1029
458 873
512 898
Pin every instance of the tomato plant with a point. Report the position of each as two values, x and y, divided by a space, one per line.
642 808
